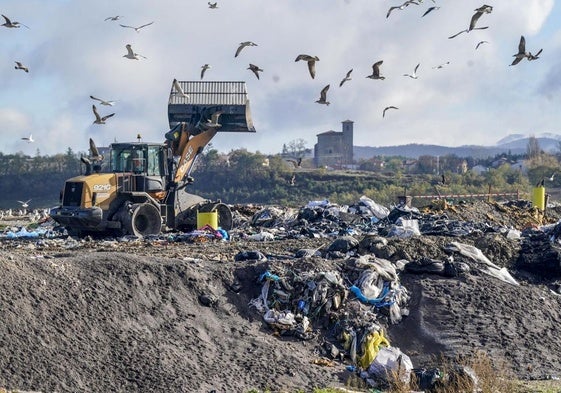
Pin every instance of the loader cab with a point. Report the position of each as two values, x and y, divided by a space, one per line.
142 165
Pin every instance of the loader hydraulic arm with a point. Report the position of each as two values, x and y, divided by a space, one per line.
187 147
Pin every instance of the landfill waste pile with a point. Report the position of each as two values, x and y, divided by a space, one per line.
291 298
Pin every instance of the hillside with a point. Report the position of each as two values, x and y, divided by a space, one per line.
513 144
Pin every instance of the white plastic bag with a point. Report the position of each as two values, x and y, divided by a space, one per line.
391 363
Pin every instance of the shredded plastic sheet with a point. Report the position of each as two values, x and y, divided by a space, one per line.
23 233
312 204
475 254
377 210
405 228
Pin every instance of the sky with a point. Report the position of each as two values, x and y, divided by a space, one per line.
72 52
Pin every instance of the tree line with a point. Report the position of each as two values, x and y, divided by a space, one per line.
241 176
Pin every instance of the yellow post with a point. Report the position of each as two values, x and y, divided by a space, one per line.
538 197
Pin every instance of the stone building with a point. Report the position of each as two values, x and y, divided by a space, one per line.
335 149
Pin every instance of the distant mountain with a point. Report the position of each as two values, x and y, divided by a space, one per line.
511 138
513 144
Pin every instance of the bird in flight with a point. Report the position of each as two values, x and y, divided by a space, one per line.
113 18
323 96
534 57
484 9
14 25
212 122
521 51
401 7
137 29
20 66
311 60
103 102
414 74
212 5
481 43
376 71
98 118
243 45
25 204
388 107
203 70
346 78
179 90
430 9
255 69
94 152
131 55
441 65
29 138
296 163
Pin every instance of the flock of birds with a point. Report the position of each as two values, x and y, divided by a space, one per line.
376 73
310 60
132 55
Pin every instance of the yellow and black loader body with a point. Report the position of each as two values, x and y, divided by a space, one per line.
141 188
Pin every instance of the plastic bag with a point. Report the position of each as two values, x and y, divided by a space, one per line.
390 363
371 348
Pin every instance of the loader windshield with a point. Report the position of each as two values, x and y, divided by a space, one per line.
127 158
137 158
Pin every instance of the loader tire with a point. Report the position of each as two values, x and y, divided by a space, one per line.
145 220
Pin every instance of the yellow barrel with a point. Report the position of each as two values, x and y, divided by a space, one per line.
207 218
538 197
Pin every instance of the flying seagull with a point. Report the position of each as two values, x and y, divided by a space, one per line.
203 70
296 163
113 18
99 119
14 25
20 66
521 51
484 9
311 60
243 45
103 102
94 152
430 9
178 90
388 107
401 7
534 57
29 138
137 29
131 55
481 43
255 69
346 78
441 65
25 204
323 96
212 122
376 71
414 74
212 5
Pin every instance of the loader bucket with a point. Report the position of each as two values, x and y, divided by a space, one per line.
202 99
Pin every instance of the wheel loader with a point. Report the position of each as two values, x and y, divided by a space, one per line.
140 188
